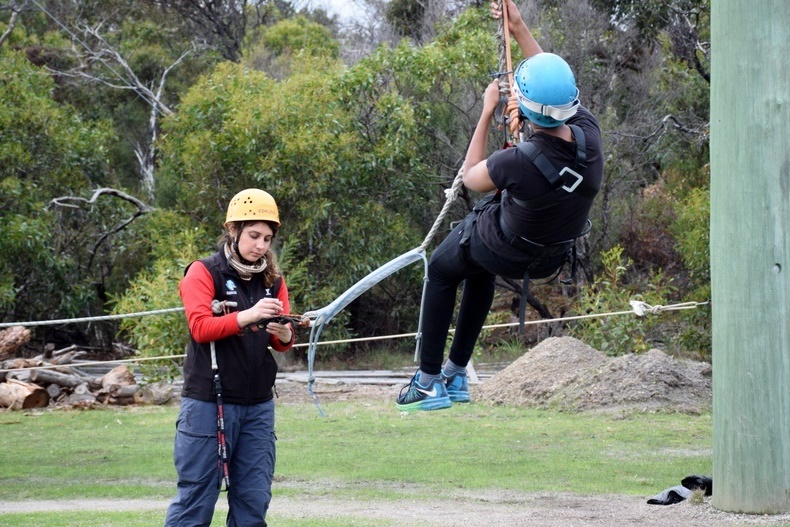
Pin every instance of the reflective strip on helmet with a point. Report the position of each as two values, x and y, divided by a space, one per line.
560 112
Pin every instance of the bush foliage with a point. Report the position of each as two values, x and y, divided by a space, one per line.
357 153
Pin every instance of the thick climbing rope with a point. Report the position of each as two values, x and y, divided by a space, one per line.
506 79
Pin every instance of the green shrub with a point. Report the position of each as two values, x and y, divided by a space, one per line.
160 335
611 293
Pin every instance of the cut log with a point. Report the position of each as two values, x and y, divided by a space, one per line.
14 364
45 377
92 381
12 340
21 395
52 352
18 375
119 375
79 399
54 391
159 393
69 357
106 398
124 391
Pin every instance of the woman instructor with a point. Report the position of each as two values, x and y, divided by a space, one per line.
225 428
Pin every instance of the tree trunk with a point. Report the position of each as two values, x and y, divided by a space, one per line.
19 395
66 380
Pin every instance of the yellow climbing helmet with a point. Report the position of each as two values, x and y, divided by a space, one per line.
253 204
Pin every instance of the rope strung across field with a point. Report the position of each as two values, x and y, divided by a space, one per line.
90 319
638 308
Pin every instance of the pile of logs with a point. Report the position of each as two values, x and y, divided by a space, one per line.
39 382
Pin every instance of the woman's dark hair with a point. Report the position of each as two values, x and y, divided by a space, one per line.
272 271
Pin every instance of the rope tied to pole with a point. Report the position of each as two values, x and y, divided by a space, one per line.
643 308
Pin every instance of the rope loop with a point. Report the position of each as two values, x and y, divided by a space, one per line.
643 308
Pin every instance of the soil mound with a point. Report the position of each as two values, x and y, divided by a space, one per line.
566 374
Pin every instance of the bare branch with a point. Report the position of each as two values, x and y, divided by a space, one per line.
77 202
15 10
93 48
108 56
64 201
666 122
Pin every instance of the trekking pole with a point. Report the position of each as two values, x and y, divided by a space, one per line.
222 447
218 307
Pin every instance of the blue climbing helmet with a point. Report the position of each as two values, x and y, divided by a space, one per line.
546 90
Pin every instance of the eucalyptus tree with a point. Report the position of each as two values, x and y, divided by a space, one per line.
223 24
116 60
48 150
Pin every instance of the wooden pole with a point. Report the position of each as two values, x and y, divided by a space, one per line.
750 254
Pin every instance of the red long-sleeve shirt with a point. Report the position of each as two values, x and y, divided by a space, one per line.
245 366
197 292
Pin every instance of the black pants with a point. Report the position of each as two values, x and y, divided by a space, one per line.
452 263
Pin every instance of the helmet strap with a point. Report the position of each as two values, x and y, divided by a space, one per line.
236 243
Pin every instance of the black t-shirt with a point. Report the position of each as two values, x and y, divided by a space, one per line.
558 220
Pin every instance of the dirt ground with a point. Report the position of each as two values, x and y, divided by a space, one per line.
505 509
561 373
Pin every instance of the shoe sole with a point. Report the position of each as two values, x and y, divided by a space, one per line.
436 403
459 397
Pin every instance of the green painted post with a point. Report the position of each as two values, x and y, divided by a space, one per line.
750 254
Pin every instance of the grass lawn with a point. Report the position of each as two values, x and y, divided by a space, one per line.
362 450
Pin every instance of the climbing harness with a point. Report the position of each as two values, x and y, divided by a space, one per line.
567 180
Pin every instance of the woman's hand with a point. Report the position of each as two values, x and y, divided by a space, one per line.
282 331
263 309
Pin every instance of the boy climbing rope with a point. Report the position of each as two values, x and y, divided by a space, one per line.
540 196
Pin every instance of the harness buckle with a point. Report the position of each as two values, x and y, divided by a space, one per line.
573 173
